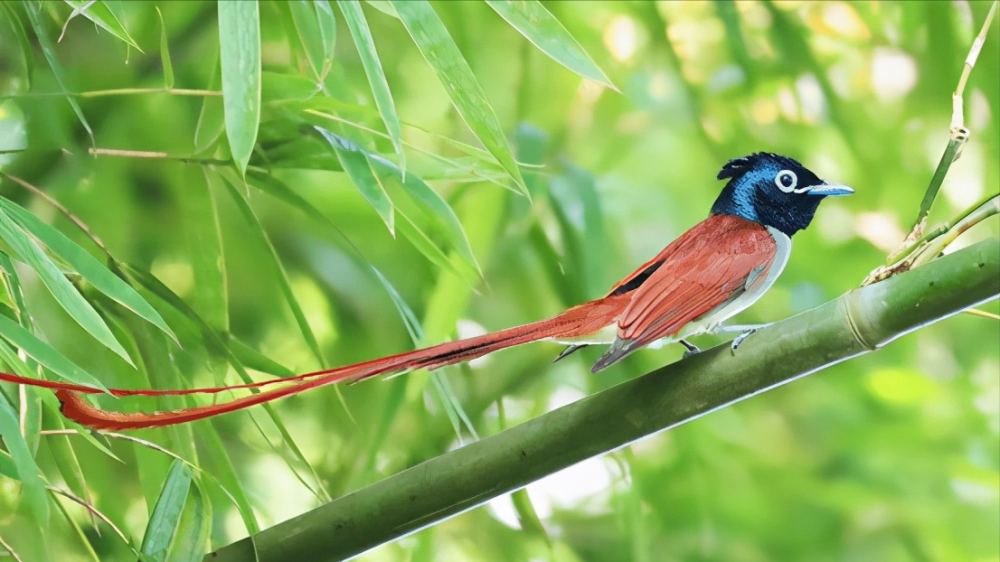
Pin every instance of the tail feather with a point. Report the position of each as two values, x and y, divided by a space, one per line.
578 321
80 411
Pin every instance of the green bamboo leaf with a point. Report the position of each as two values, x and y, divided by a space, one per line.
193 528
211 117
27 470
317 29
102 14
356 165
65 294
540 27
86 265
168 67
220 467
286 288
239 50
275 187
204 239
384 6
27 52
425 202
434 207
441 52
48 49
256 360
356 23
45 354
165 519
218 344
7 466
271 185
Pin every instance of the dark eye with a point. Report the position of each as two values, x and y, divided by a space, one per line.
786 180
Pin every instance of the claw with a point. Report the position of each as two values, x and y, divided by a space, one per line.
569 349
739 339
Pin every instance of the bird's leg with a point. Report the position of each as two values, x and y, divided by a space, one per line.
739 339
692 349
745 329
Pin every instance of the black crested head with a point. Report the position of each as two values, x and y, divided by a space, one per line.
773 190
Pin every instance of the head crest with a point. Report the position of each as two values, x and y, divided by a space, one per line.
739 166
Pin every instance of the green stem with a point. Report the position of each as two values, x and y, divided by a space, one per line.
855 324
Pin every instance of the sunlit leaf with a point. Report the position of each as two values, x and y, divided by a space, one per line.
24 463
168 67
441 52
211 117
542 28
356 23
65 294
193 528
239 48
165 519
33 7
355 163
45 354
27 52
86 265
317 29
100 13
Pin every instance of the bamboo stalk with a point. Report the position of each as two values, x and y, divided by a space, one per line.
857 323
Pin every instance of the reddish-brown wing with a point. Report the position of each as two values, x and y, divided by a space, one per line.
708 265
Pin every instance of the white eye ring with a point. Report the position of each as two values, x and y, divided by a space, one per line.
784 175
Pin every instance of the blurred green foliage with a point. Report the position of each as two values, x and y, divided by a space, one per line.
302 266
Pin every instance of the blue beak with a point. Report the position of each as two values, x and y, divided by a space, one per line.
829 189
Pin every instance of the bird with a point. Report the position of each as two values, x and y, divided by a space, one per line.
708 274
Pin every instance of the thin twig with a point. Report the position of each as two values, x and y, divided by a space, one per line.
10 551
93 511
957 137
155 155
119 92
982 313
59 207
934 242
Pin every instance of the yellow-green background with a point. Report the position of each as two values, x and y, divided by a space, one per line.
891 457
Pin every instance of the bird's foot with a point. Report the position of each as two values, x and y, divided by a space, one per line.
692 349
739 339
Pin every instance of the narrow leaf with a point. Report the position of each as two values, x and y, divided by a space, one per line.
34 10
193 528
427 202
357 168
86 265
540 27
168 67
27 52
211 118
239 49
101 14
286 288
317 31
164 520
356 23
441 52
45 354
65 294
27 471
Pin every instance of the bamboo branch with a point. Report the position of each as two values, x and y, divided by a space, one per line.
958 135
857 323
